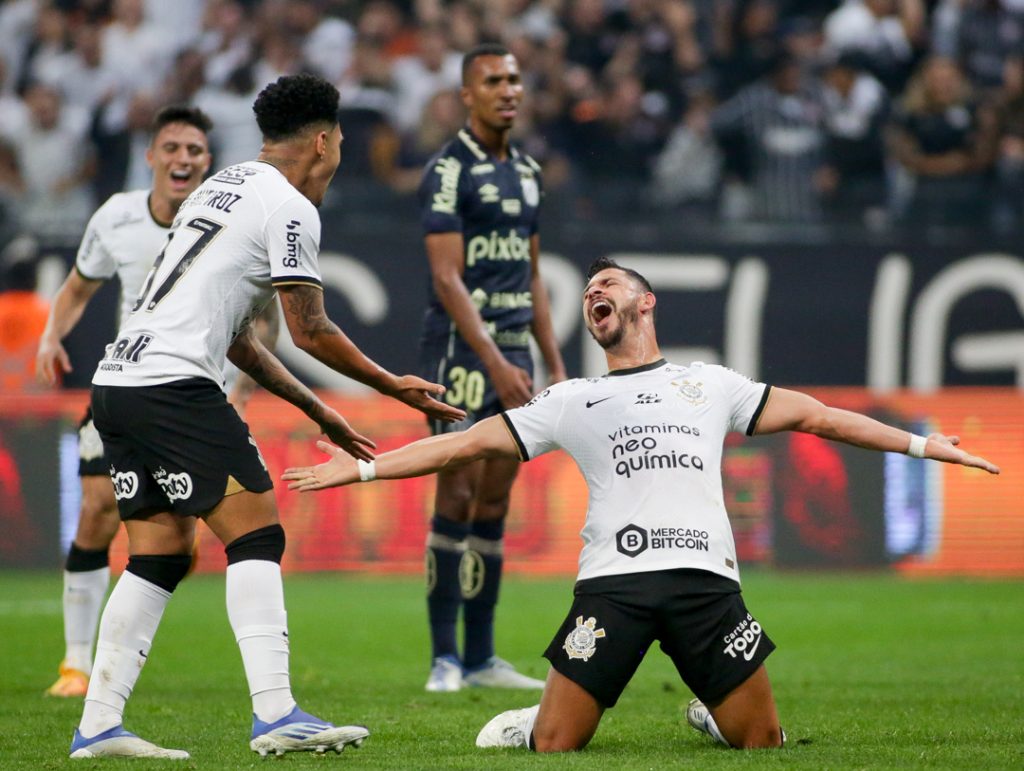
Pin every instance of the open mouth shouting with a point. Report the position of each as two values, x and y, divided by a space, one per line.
600 311
180 179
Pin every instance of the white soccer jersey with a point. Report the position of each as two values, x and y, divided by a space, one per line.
649 444
122 239
242 232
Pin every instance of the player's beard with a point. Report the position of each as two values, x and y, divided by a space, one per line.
627 316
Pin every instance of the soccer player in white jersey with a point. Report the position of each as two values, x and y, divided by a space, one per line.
176 448
123 238
658 561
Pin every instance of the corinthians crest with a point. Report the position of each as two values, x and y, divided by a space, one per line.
581 642
692 392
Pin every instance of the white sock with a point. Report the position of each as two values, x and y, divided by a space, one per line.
255 600
83 600
129 622
712 726
531 721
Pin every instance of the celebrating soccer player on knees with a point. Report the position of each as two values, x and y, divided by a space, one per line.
177 451
480 199
652 465
123 238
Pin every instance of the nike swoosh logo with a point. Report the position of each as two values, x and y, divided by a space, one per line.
591 404
749 654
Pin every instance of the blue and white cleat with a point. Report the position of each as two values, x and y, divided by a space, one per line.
299 731
116 742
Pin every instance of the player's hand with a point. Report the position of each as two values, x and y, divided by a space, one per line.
944 448
513 384
426 397
339 469
342 434
51 362
557 376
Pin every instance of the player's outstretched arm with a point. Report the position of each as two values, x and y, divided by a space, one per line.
794 411
321 338
68 305
487 439
252 357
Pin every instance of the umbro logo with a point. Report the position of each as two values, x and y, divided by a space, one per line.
598 401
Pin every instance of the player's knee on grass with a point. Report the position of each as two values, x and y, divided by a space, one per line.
755 736
560 737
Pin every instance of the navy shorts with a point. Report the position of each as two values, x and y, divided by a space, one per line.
177 447
457 367
698 617
92 461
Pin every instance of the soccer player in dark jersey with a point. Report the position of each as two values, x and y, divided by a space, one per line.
658 560
480 198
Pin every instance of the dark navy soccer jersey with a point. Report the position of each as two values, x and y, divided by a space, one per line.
494 205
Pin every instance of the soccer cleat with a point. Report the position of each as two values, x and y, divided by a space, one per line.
697 716
299 731
71 683
118 743
445 675
509 729
498 673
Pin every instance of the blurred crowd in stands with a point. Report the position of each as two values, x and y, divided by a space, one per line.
872 112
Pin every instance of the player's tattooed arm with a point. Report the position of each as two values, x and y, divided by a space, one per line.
252 357
304 310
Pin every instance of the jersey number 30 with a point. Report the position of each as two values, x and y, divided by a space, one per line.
208 230
467 388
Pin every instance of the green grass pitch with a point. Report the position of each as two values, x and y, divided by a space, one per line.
872 671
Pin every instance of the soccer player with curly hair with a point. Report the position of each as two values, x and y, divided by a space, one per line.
176 448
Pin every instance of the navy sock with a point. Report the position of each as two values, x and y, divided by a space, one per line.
445 548
481 580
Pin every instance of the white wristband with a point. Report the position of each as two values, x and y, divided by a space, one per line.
917 445
367 470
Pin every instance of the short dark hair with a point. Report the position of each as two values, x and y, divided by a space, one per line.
293 102
180 113
484 49
606 263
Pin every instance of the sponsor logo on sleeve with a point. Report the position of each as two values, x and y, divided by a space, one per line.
293 232
446 199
